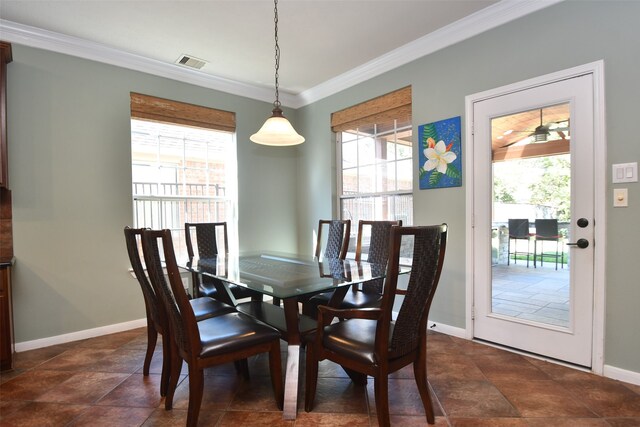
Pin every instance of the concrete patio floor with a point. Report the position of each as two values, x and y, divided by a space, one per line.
539 294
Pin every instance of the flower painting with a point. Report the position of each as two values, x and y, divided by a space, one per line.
440 154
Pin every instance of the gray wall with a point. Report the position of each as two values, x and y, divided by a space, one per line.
562 36
70 175
70 154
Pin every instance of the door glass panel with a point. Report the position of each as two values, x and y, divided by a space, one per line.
531 213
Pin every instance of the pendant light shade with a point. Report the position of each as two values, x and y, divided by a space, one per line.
277 131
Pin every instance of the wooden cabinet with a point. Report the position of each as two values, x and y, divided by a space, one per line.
6 228
5 58
6 318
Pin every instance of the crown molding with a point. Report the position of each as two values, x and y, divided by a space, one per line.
481 21
484 20
74 46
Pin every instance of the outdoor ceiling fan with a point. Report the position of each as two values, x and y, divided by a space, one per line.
541 132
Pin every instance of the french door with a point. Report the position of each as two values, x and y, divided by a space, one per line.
533 161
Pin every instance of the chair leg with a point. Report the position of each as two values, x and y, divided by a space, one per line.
196 387
420 374
275 368
242 368
311 378
381 391
310 309
358 378
195 285
174 375
152 339
166 366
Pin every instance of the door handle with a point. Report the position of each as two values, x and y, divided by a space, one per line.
581 243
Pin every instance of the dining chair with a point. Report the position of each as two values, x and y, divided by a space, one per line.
369 341
203 308
334 246
337 241
209 237
214 341
547 231
518 231
368 294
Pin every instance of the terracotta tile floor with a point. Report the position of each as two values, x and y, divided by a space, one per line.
98 382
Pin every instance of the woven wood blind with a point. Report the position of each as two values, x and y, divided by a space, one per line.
147 107
394 105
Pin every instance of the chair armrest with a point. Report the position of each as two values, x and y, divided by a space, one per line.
326 315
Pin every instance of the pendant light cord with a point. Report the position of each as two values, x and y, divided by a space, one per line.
276 103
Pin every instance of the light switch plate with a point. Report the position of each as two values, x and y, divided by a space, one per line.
625 172
620 198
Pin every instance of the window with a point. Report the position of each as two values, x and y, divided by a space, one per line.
182 173
375 150
377 177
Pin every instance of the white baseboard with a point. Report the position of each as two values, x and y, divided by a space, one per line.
622 374
80 335
446 329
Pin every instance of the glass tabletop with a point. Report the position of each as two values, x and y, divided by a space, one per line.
285 275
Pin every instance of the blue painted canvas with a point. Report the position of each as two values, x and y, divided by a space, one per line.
440 154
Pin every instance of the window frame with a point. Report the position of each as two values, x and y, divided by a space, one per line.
341 196
393 108
184 205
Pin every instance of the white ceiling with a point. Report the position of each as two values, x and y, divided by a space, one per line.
320 40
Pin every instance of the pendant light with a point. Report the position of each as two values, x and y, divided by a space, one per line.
277 130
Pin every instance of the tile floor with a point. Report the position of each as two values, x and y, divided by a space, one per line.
98 382
540 294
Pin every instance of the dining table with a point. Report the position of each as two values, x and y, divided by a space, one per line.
289 278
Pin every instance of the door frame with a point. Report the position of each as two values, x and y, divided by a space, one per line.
596 69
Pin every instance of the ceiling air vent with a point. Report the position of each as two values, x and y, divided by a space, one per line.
191 61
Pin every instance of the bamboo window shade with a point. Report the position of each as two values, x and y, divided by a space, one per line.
392 106
151 108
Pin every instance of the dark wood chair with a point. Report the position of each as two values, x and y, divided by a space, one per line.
368 341
334 246
337 242
203 308
207 240
226 338
368 294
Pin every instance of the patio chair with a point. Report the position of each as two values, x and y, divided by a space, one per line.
547 231
518 231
